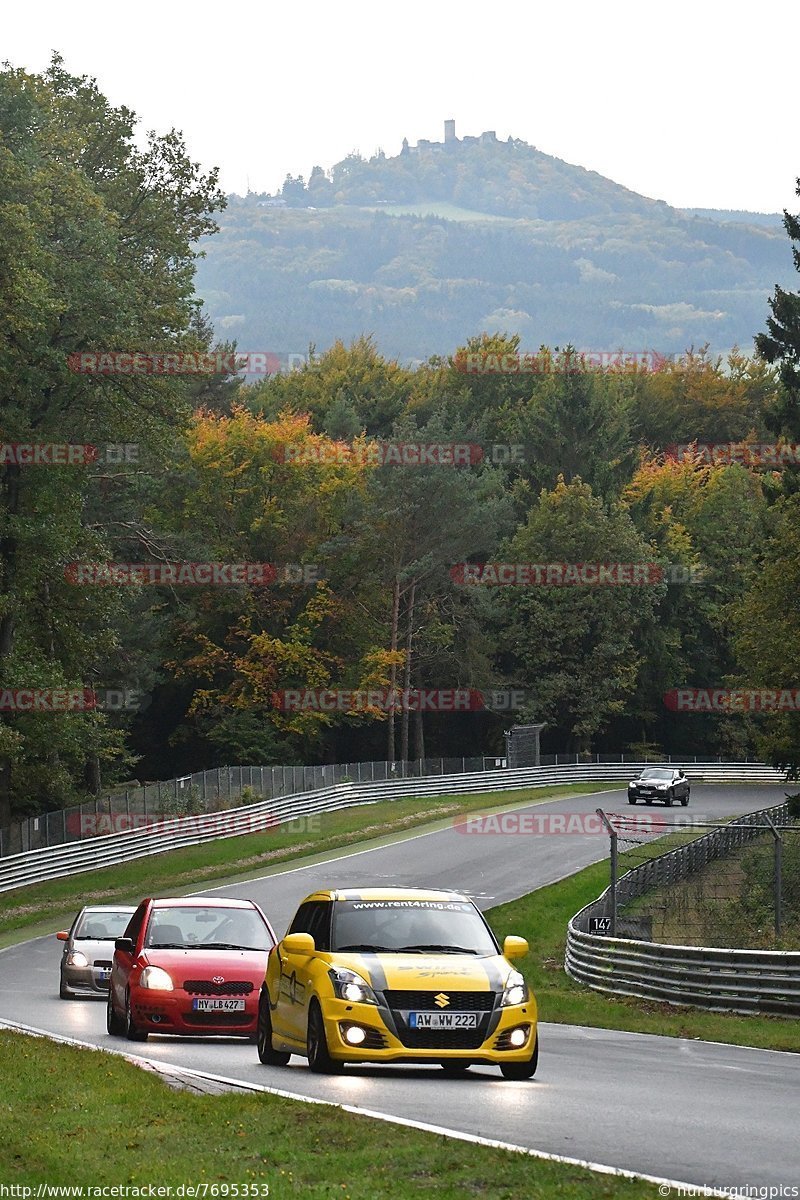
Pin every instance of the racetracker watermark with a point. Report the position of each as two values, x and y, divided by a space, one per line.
213 824
563 574
66 454
133 362
576 362
733 700
376 700
190 574
78 699
543 824
400 454
775 455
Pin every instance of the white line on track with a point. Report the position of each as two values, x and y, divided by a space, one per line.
423 1126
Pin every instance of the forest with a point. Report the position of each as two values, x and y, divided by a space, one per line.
181 549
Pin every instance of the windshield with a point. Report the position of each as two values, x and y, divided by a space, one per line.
656 773
103 926
207 928
413 926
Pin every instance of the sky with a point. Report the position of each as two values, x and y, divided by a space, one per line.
688 102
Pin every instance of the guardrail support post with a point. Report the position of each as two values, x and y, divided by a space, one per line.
776 875
612 833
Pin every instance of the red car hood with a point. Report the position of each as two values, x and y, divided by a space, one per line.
196 963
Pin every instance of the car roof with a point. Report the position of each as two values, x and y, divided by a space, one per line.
386 893
201 902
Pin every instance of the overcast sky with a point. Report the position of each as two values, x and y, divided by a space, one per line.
689 102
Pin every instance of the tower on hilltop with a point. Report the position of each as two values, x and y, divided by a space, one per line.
449 131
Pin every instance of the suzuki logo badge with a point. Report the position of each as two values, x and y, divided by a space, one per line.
442 1000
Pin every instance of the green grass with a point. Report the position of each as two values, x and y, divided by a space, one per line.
27 911
542 918
76 1117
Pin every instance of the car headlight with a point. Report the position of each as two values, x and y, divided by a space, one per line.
516 990
662 786
347 985
76 958
156 978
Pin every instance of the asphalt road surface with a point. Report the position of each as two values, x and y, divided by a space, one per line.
707 1114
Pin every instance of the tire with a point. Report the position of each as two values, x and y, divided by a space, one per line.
523 1070
114 1022
668 800
63 991
631 799
319 1059
268 1056
132 1031
685 800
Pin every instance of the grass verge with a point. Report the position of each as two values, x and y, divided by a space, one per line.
116 1124
26 911
542 918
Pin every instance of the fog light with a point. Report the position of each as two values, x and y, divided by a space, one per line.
518 1037
354 1034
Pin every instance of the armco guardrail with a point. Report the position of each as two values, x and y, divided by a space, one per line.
703 976
223 788
158 834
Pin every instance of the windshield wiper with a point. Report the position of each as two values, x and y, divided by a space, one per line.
449 949
225 946
167 946
360 947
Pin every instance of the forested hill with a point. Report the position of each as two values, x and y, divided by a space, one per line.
448 240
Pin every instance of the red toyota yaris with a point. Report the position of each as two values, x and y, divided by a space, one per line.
192 965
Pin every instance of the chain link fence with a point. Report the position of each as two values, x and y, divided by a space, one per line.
737 885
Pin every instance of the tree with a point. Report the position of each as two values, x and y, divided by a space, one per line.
782 343
97 251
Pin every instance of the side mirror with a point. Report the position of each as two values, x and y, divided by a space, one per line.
515 947
299 943
125 944
63 936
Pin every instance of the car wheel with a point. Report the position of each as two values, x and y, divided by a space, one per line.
268 1056
63 991
668 800
132 1031
319 1059
523 1070
631 799
114 1022
685 800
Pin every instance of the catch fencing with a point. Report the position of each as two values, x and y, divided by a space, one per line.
157 834
229 787
740 980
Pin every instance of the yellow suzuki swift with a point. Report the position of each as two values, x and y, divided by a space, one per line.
389 975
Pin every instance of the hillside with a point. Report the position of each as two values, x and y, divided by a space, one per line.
447 240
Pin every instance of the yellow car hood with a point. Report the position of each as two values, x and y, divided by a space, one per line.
458 972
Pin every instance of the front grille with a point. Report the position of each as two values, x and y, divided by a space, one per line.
442 1039
425 1001
217 1018
206 987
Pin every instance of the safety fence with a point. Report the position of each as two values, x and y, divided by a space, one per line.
229 787
738 980
156 834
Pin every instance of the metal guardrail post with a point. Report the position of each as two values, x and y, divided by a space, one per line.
776 875
612 833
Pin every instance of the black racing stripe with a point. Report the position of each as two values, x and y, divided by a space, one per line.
377 977
496 982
